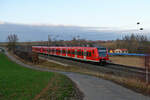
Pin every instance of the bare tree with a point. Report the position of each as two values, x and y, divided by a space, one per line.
134 43
12 41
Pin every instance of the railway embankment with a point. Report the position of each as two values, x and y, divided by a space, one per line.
129 77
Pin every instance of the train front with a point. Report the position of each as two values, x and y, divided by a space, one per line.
103 55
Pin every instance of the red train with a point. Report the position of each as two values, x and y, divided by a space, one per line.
93 54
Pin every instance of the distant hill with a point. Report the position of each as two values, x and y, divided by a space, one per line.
59 32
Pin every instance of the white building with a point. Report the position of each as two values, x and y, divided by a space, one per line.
121 51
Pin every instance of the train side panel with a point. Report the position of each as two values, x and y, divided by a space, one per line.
82 53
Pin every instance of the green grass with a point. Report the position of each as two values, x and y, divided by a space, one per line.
20 83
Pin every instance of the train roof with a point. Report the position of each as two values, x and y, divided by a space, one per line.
67 47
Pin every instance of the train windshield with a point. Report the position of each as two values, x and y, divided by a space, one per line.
102 52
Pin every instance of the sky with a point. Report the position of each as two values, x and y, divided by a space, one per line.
94 13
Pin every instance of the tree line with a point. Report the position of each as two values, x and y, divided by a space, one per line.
134 43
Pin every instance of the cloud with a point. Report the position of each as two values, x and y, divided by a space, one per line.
40 32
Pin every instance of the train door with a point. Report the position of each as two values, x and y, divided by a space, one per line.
50 51
58 51
76 53
54 51
72 52
46 50
79 52
69 52
89 55
84 54
63 52
41 50
93 54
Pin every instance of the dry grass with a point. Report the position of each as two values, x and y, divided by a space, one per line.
128 60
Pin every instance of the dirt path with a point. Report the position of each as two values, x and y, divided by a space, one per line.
43 91
94 88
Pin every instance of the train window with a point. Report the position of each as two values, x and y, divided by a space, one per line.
85 53
69 52
81 53
73 52
50 50
64 51
102 52
58 51
47 50
93 51
78 52
88 53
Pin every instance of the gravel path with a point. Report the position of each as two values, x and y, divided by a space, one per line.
94 88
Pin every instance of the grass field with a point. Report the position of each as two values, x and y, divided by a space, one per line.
128 60
20 83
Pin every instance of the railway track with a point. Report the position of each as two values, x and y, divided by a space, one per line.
115 69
